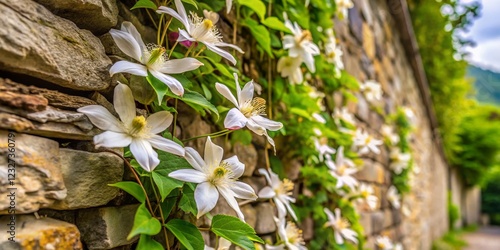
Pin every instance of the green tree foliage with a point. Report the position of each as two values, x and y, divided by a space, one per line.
490 200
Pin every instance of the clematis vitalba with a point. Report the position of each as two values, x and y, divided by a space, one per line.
137 131
342 169
300 45
279 191
340 227
152 59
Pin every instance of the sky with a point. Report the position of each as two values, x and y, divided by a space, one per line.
486 34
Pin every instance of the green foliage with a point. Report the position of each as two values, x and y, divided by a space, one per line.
490 200
450 241
453 212
147 243
187 233
235 230
133 188
144 223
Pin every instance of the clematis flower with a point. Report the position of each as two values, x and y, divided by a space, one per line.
215 176
340 227
322 147
399 160
393 197
248 111
342 169
319 118
333 53
383 243
366 193
137 131
290 235
343 114
343 6
279 191
372 90
388 132
199 29
410 115
151 59
366 143
300 45
290 67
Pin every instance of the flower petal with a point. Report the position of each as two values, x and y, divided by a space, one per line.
246 93
110 139
127 43
221 52
174 85
102 118
159 121
338 238
206 196
123 99
194 158
223 44
329 214
188 175
224 91
266 193
290 210
237 168
166 145
182 17
144 154
281 208
235 119
128 67
265 173
130 28
229 197
213 153
256 128
177 66
185 36
266 123
229 4
243 191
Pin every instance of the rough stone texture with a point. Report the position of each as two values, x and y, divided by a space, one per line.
247 155
44 233
38 178
35 42
95 171
97 16
265 223
106 227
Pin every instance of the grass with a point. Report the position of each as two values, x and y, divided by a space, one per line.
453 239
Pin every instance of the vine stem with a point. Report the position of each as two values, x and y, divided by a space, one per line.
201 50
161 213
172 50
165 30
175 118
151 17
215 134
158 30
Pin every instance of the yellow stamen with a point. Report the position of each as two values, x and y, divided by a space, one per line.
208 24
305 36
138 125
257 107
155 55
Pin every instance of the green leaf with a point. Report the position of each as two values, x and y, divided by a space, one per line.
197 101
160 88
164 183
187 233
192 2
132 188
144 223
235 230
256 5
275 24
261 35
242 136
187 202
147 243
146 4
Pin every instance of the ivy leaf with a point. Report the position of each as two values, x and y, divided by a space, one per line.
144 223
196 101
164 183
160 88
187 202
260 33
132 188
235 230
275 24
147 243
144 4
187 233
256 5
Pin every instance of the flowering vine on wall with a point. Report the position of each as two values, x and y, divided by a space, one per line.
176 186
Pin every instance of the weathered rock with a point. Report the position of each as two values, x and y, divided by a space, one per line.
86 176
356 23
377 221
38 179
26 102
43 233
13 122
366 222
265 223
106 227
247 155
250 215
97 16
35 42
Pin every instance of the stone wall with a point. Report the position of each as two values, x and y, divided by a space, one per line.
53 61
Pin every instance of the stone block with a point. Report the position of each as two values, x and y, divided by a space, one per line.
106 227
35 42
292 169
265 223
86 176
388 218
366 222
367 173
97 16
377 221
250 215
368 41
38 181
247 154
43 233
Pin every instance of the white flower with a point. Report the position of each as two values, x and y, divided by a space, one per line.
215 176
388 132
300 45
393 197
151 59
398 246
229 4
248 111
383 243
399 160
372 90
137 131
322 147
410 115
343 114
342 169
340 227
366 143
366 193
279 191
290 235
343 6
199 29
333 53
290 67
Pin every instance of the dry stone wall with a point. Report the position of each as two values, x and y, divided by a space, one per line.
54 58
